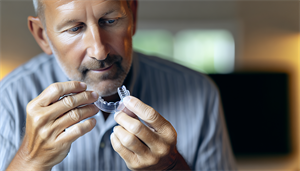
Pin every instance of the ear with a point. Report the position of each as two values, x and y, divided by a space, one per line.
134 7
39 33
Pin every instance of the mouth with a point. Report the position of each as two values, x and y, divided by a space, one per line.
102 69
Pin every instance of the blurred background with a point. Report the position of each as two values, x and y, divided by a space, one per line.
251 49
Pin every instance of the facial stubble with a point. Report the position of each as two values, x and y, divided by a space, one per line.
116 79
115 76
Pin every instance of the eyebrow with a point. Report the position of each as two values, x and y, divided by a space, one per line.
109 12
67 22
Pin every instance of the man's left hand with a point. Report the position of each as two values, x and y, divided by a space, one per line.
151 146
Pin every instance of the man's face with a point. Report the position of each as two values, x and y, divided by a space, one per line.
92 41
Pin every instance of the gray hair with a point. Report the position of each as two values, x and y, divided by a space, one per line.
39 9
36 6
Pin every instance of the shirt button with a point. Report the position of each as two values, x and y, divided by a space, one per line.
102 145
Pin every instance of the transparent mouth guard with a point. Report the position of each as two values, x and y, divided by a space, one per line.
112 107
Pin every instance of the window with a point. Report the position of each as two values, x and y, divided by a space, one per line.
204 50
156 42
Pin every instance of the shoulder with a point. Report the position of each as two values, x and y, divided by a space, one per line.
16 90
28 81
183 75
41 70
28 69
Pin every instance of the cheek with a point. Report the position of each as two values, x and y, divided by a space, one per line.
122 42
69 51
128 41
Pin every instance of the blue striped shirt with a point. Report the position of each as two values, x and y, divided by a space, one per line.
187 99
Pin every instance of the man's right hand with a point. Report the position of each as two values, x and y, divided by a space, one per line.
46 143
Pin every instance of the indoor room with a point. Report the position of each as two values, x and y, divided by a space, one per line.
249 48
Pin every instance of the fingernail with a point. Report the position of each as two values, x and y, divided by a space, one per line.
95 95
82 84
126 99
116 114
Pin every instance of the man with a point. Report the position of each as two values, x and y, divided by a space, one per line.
88 52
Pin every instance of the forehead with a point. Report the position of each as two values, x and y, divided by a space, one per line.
58 13
53 7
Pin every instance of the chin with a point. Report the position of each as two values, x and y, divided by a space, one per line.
105 88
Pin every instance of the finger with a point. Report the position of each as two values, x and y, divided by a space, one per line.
74 116
77 131
151 117
71 102
126 154
128 112
137 128
56 90
130 141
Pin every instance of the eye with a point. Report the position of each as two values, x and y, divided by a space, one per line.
75 29
110 22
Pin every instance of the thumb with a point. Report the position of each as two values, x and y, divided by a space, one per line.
149 115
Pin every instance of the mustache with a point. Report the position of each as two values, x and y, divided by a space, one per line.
100 64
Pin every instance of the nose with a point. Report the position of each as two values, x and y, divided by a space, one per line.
96 43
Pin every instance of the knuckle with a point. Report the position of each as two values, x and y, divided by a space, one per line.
136 165
91 124
136 128
117 146
86 95
173 137
78 130
63 146
137 104
129 140
30 109
171 134
55 88
165 128
150 114
117 128
69 101
75 115
164 150
94 108
153 160
38 121
44 133
72 84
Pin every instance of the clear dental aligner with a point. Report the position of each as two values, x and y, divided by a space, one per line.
112 107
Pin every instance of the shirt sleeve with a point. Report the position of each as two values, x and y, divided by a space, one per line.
214 151
7 147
